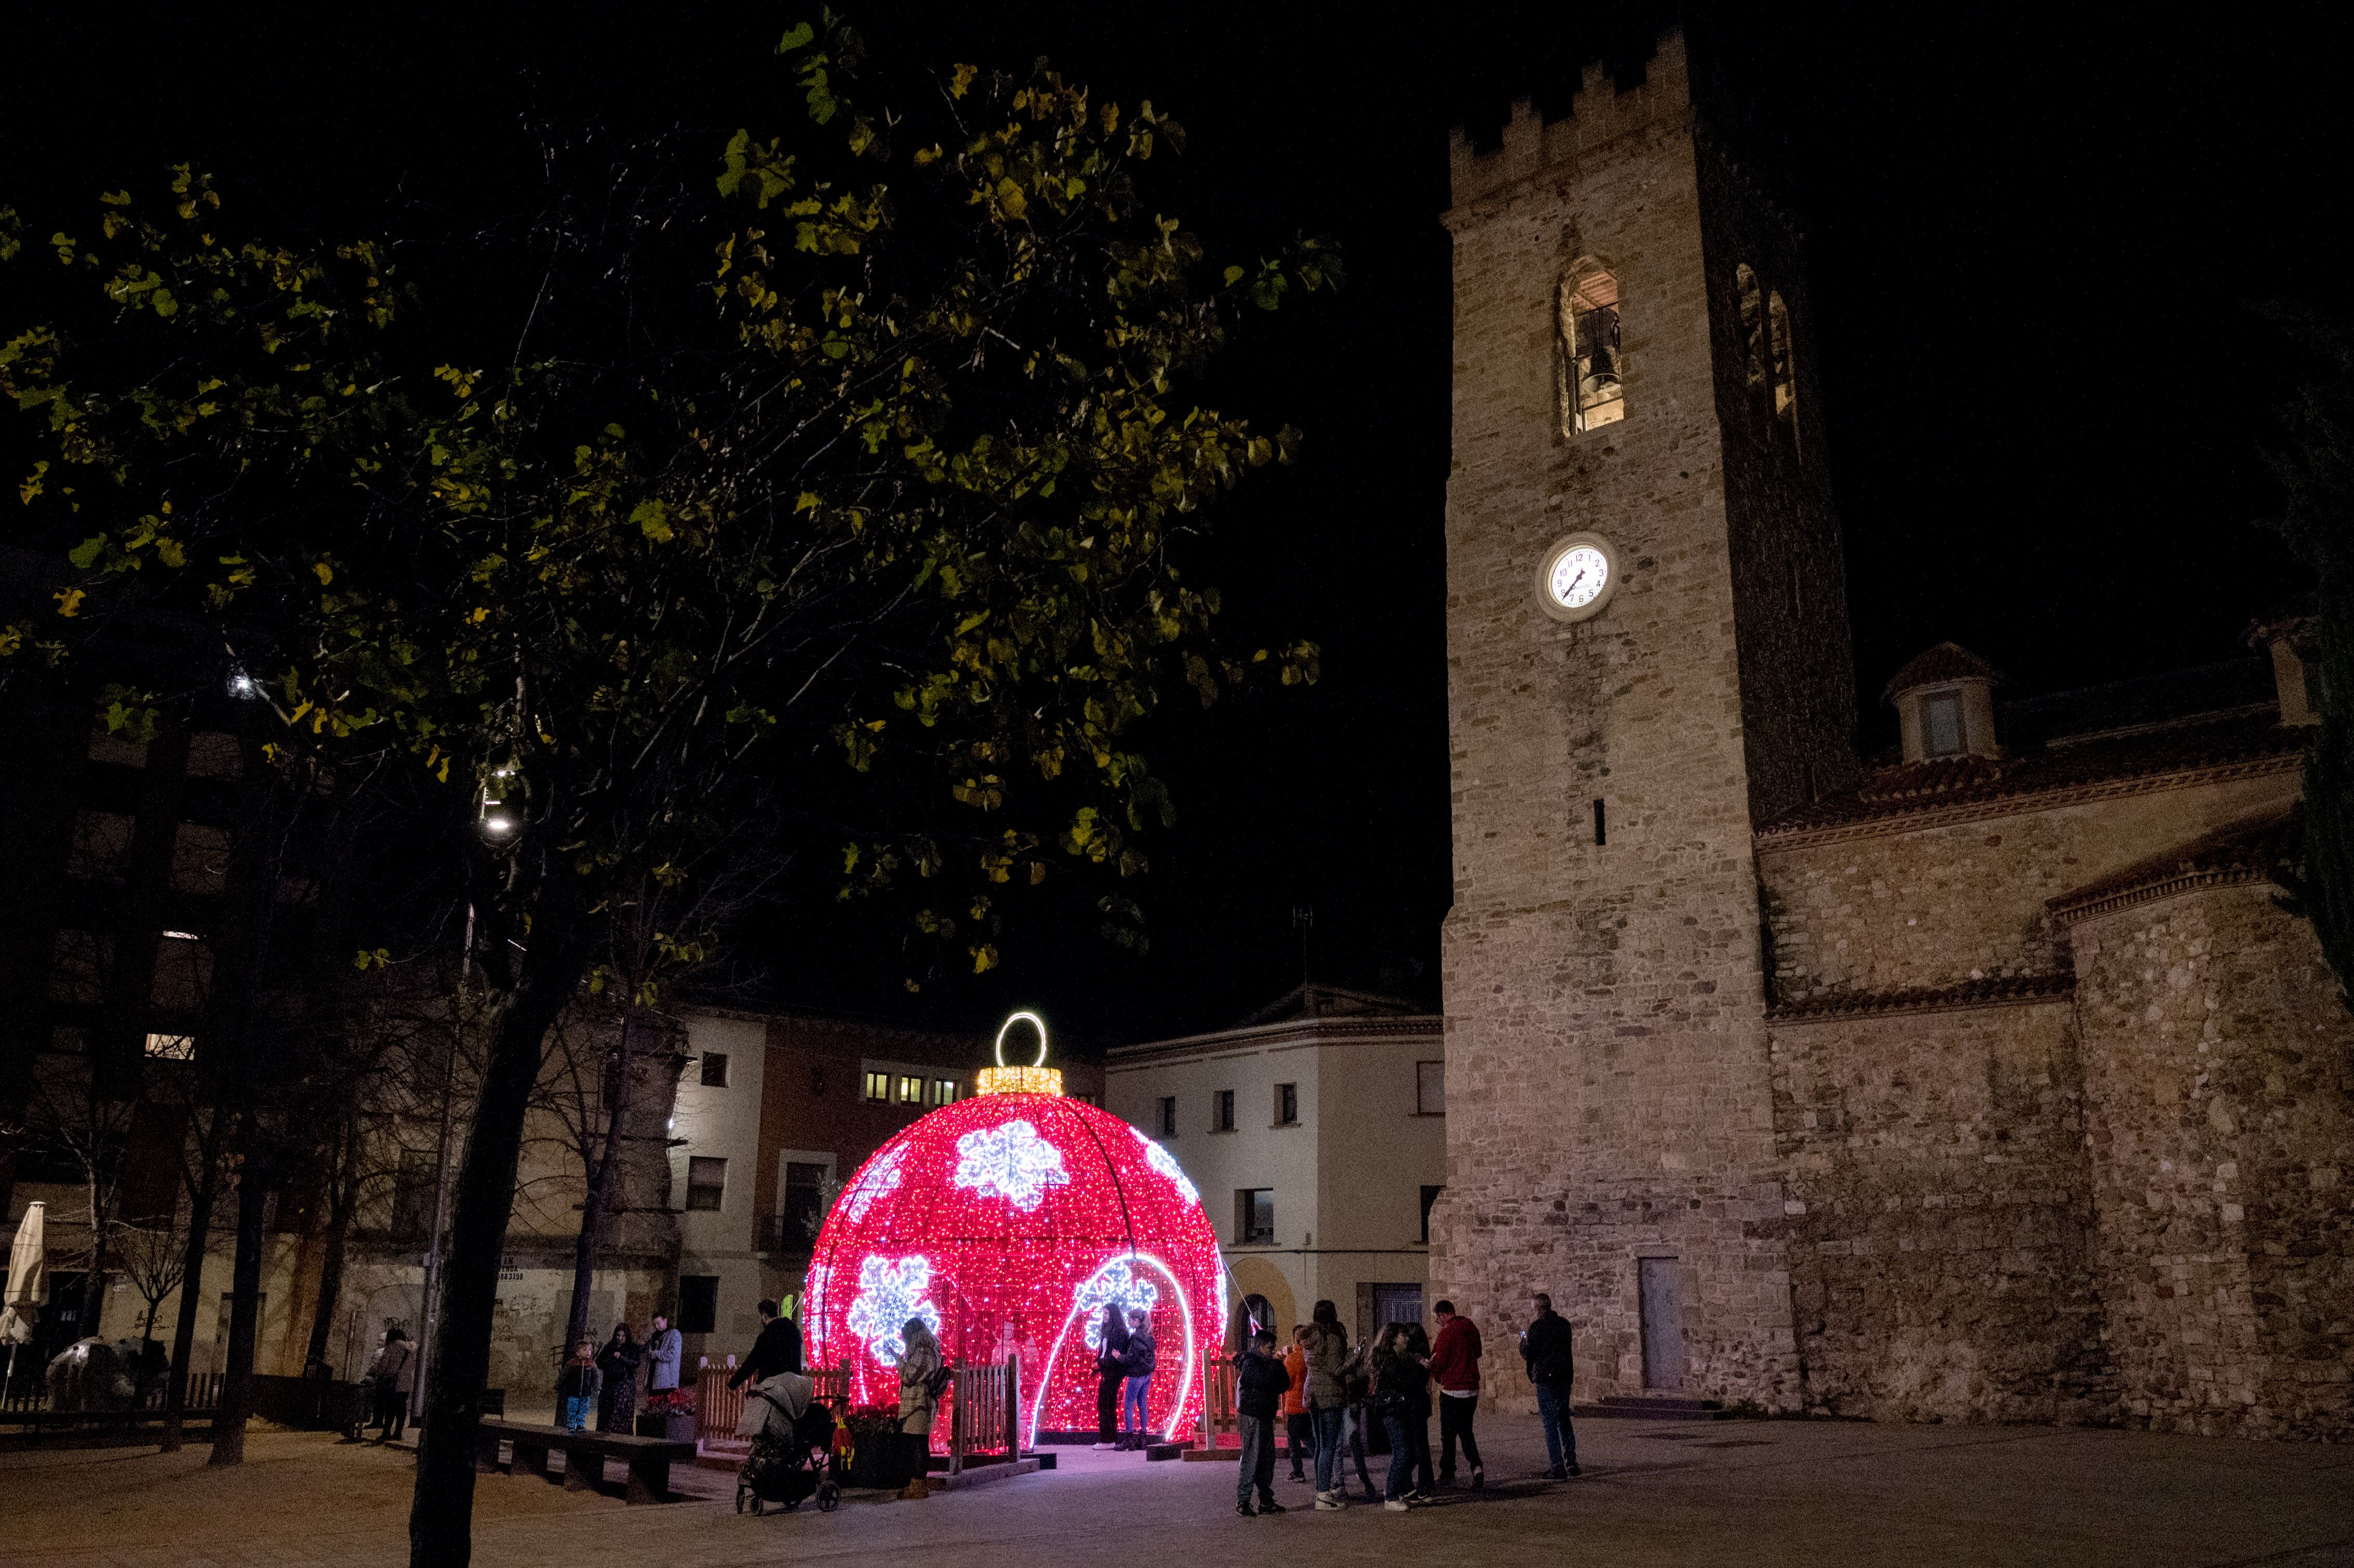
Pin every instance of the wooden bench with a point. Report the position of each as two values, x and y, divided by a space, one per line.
584 1453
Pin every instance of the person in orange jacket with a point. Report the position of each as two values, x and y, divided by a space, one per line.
1455 1368
1299 1432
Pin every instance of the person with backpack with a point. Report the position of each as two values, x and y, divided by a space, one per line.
1545 1346
578 1385
923 1379
392 1377
1138 1363
1111 1374
1327 1349
1455 1368
1260 1383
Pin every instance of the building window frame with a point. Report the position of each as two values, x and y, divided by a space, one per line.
715 1069
1169 1116
878 1086
1287 1104
1222 1111
706 1184
1430 1086
1254 1216
1588 338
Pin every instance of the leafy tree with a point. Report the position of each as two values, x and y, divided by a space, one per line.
868 466
2315 464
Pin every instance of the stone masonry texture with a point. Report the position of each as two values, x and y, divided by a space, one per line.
1967 1108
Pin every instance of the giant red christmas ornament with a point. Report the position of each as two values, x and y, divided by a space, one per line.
1007 1222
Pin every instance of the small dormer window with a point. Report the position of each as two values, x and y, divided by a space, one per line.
1941 723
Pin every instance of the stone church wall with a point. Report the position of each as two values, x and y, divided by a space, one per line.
1896 910
1938 1215
2219 1094
1606 1073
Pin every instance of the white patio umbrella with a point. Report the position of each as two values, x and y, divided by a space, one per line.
28 1285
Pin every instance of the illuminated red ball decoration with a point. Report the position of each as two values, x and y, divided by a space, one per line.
1007 1222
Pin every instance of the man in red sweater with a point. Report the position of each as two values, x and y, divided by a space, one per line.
1455 1367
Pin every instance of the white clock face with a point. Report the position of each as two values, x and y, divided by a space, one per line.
1578 576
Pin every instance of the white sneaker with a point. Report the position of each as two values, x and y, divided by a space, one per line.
1397 1505
1100 1447
1327 1503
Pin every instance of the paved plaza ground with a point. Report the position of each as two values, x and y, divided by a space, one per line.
1654 1492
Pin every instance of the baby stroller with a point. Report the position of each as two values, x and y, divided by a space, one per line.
792 1447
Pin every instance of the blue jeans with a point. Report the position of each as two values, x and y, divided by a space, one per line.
1327 1418
1258 1459
1409 1454
577 1412
1131 1404
1552 1407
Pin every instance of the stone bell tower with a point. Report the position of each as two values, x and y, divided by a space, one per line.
1633 380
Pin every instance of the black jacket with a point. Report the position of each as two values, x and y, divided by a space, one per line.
1259 1385
778 1349
1137 1359
1545 1346
1111 1353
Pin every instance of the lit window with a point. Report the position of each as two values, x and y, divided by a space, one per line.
944 1091
1941 723
911 1090
706 1182
1255 1216
1224 1121
172 1047
1169 1116
1786 374
1753 339
1430 1088
878 1085
715 1069
1586 326
1287 1104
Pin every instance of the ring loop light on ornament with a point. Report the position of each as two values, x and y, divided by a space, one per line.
1035 1079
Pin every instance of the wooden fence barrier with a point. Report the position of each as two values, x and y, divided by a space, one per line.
984 1410
717 1407
1218 1428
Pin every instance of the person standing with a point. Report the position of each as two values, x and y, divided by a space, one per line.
1398 1380
663 1353
1111 1372
392 1376
617 1404
1298 1430
1545 1346
778 1349
1415 1344
1328 1352
1357 1419
577 1383
1138 1363
1260 1383
919 1397
1455 1368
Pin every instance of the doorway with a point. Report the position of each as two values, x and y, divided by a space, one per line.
1396 1304
1662 1304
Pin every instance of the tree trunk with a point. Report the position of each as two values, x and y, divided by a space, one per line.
192 1281
331 1267
440 1513
593 1205
244 1319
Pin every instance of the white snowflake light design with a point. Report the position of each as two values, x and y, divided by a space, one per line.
889 1293
1160 1159
1011 1161
879 1177
1115 1284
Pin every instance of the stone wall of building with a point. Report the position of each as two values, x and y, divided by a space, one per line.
1608 1086
2220 1097
1939 1214
1887 908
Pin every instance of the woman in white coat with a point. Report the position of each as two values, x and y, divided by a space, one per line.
919 1398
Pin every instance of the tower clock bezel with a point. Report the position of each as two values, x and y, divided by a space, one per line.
1552 606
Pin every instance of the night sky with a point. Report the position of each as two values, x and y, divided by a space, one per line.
2036 248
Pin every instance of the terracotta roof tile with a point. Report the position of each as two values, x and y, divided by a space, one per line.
2256 740
1945 661
2260 849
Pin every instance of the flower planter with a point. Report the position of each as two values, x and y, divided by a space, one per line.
677 1426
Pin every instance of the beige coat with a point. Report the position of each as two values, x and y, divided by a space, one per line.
916 1369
